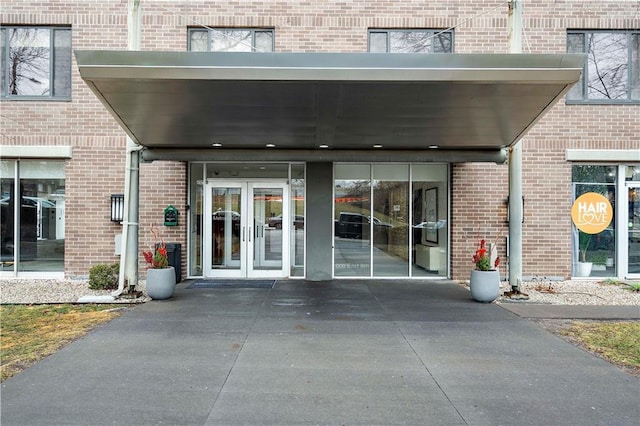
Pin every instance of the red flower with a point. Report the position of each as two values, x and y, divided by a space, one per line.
483 255
158 258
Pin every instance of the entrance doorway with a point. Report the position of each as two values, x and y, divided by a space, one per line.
247 229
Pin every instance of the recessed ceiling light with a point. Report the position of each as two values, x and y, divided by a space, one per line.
433 146
270 145
377 146
216 145
323 146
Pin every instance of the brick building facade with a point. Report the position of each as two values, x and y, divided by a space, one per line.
478 191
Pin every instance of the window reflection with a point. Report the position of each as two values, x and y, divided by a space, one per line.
387 226
40 216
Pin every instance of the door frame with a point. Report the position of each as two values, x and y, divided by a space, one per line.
247 229
625 241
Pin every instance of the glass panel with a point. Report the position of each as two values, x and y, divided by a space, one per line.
632 173
198 40
635 67
410 41
607 66
352 189
248 170
575 44
62 63
29 61
267 237
225 253
42 217
442 43
7 208
3 61
231 40
378 42
634 230
597 249
298 213
429 220
264 41
196 211
390 220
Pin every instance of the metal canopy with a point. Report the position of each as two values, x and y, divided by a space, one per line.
348 101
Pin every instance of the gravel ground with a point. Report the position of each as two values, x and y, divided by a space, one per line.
34 291
582 292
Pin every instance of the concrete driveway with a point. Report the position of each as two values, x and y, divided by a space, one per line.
338 353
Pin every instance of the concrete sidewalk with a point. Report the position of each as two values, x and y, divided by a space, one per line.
336 353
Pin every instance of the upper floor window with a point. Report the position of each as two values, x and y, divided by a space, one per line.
410 41
36 62
231 40
612 71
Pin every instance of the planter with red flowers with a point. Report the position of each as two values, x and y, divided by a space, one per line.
161 278
485 278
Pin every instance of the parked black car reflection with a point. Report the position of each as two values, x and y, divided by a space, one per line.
356 225
276 222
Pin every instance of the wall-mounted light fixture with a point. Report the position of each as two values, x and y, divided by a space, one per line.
117 207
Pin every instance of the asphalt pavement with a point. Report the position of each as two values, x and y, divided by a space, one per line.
344 352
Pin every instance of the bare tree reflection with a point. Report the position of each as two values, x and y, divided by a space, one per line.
29 61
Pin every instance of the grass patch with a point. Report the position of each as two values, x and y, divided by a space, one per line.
30 333
618 342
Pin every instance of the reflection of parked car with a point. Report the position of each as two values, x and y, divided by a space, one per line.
356 225
276 222
224 214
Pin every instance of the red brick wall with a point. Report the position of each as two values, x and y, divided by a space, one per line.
478 190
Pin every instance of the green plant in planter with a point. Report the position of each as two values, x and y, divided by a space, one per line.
599 258
584 240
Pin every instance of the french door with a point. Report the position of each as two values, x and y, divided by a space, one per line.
246 229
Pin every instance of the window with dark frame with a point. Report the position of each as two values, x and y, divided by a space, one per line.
612 70
35 62
410 41
231 40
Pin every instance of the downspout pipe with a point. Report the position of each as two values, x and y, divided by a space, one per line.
128 273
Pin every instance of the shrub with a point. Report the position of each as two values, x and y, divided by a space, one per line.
104 277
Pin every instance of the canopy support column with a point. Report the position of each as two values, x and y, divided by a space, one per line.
129 259
516 204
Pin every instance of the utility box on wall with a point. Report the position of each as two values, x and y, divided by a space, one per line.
170 216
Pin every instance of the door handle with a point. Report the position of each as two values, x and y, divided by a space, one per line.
243 234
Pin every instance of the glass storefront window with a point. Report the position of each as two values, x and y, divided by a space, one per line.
40 216
298 216
390 220
352 195
405 235
195 216
429 219
594 254
7 214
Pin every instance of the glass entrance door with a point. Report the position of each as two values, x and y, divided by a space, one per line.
248 229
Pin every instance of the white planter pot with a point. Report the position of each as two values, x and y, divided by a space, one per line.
484 285
161 283
584 269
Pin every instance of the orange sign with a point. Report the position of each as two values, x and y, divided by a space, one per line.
592 213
